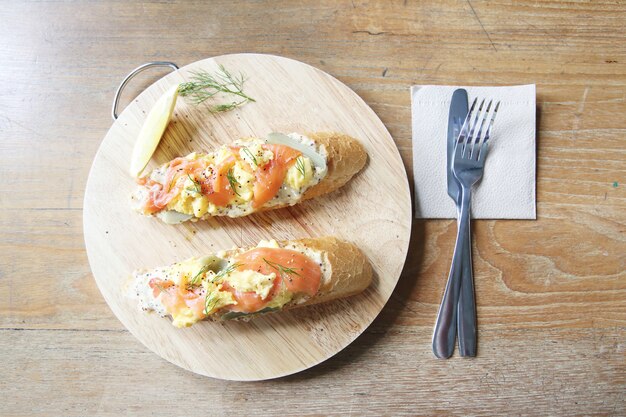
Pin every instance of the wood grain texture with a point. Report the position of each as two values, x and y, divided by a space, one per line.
372 211
551 293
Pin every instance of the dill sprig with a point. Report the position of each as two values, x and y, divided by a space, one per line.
198 277
205 85
218 108
250 154
281 269
300 166
171 185
232 181
210 301
196 185
226 271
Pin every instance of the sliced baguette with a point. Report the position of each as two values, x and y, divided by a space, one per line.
346 272
345 156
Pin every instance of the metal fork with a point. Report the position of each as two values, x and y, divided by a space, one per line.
468 164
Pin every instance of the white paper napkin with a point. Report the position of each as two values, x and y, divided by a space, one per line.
507 189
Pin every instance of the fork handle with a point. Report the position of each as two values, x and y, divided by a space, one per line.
445 327
466 316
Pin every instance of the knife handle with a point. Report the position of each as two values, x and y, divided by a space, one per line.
466 315
446 326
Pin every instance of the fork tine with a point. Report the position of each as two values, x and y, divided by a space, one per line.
473 128
463 135
466 122
484 147
493 117
476 140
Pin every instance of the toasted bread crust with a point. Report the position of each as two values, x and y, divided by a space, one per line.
351 272
346 157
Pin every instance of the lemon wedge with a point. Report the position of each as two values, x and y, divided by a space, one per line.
152 130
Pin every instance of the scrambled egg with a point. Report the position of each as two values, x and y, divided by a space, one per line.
182 272
255 155
215 298
247 281
191 200
250 156
196 271
300 174
221 155
183 317
245 182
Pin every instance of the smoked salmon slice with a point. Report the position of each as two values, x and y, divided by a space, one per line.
299 272
214 186
270 176
174 297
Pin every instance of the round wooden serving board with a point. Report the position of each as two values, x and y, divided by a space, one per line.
373 211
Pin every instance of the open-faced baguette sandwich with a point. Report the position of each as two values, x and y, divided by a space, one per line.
249 175
247 282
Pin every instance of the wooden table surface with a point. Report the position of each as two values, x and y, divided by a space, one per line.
551 293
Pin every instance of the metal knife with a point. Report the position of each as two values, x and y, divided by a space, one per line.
466 310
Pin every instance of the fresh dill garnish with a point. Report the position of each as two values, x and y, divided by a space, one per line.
198 277
300 166
247 151
226 271
226 106
205 85
210 301
196 185
281 269
169 188
232 181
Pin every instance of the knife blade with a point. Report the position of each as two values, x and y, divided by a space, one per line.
456 116
466 309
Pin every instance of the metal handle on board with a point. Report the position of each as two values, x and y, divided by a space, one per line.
134 72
